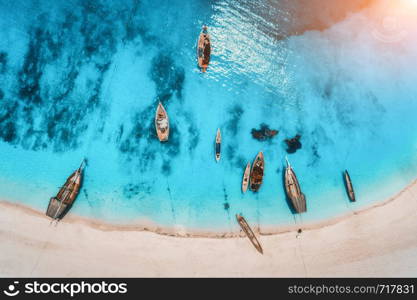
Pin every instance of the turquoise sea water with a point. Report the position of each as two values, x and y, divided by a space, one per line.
83 79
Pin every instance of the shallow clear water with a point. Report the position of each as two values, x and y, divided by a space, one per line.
83 79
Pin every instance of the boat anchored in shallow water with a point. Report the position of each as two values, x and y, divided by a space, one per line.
292 187
217 147
257 172
62 202
245 180
203 49
249 233
162 123
349 186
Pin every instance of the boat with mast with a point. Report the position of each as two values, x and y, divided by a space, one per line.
292 188
60 204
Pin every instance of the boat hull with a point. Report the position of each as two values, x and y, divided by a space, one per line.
203 51
349 187
57 209
60 204
161 123
257 172
249 233
292 188
217 147
245 180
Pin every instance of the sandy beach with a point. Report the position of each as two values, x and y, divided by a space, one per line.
376 241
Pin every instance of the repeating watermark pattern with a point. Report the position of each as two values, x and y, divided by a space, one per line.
389 30
72 289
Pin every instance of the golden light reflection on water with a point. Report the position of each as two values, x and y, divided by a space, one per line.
393 21
245 44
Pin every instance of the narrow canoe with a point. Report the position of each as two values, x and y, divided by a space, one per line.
218 144
60 204
203 49
249 233
349 187
245 180
257 172
292 187
161 123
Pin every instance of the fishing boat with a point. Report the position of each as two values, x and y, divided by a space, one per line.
161 123
203 49
257 172
249 233
62 202
218 144
292 187
245 180
349 186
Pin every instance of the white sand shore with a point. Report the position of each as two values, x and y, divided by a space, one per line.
377 241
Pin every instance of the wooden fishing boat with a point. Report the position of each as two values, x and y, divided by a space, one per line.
257 172
161 123
62 202
203 49
218 144
249 233
292 187
349 187
245 180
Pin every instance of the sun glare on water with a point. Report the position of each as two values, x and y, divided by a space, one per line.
408 4
395 18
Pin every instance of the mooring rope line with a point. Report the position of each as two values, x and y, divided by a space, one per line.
295 219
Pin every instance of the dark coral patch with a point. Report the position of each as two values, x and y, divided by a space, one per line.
168 77
235 113
293 144
30 75
230 152
132 190
226 205
56 113
166 168
8 130
193 132
3 62
263 133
